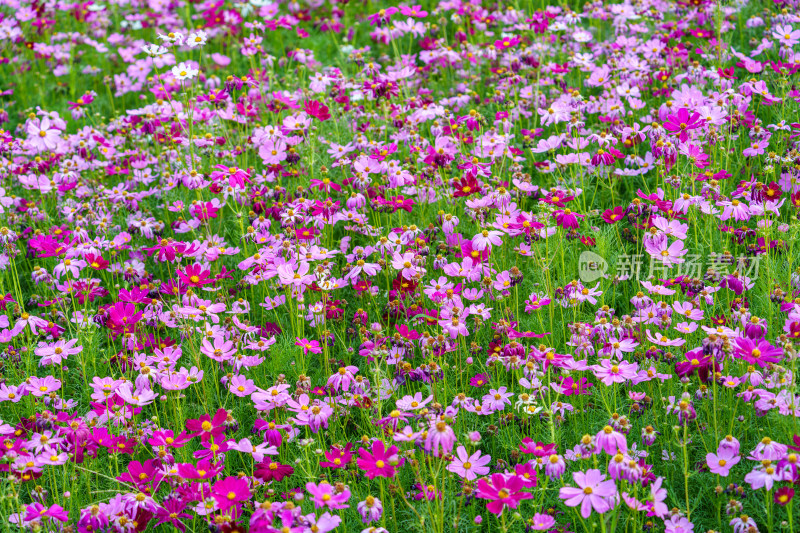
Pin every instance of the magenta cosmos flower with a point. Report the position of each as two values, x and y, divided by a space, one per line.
206 426
382 461
502 492
230 491
759 353
682 123
195 276
592 492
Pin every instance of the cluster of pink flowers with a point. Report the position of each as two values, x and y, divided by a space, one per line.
247 290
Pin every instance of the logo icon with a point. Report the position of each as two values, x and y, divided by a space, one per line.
591 267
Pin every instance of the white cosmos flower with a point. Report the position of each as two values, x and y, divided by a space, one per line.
197 38
154 50
184 71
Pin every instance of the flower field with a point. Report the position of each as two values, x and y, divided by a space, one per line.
461 266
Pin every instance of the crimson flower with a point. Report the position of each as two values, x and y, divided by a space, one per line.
317 110
612 217
784 495
466 186
96 262
272 470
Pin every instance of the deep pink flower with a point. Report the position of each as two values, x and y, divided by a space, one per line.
337 457
539 449
413 11
570 386
308 346
207 427
195 276
37 511
502 492
230 491
615 215
759 353
682 123
317 110
382 461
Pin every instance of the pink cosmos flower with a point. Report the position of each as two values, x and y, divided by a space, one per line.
486 239
56 353
542 522
414 402
440 438
756 148
343 378
324 495
722 461
611 441
616 348
42 135
786 35
405 264
592 493
43 386
668 254
221 350
241 386
469 467
736 209
764 475
608 372
273 151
